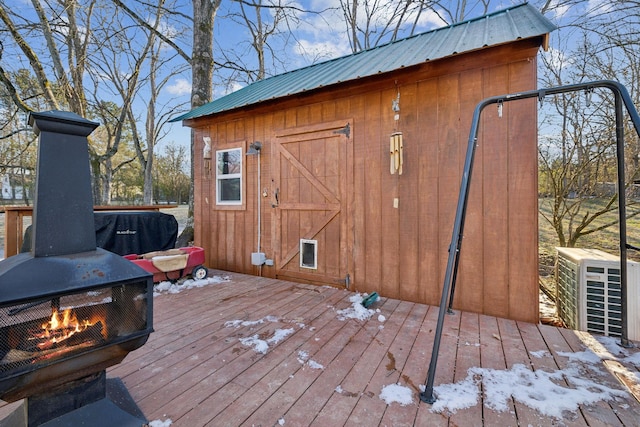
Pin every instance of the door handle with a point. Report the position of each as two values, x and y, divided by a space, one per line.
277 197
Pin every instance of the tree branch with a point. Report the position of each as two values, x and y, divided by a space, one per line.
162 37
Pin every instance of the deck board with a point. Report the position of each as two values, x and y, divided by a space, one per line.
467 356
262 380
195 371
369 406
401 349
340 405
516 353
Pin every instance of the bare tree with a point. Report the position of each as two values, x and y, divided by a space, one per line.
264 21
171 170
577 159
201 61
105 43
370 23
139 73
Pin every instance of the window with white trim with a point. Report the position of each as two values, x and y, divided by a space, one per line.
229 176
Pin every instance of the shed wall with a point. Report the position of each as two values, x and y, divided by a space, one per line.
400 226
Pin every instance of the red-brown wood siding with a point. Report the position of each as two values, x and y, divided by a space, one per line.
398 227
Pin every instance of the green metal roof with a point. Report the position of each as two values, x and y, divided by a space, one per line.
504 26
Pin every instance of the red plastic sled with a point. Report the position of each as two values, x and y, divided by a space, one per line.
172 264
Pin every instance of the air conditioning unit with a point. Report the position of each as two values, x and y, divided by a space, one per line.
589 292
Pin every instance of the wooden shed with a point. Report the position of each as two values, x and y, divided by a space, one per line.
357 169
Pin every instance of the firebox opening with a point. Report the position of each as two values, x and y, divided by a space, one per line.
41 332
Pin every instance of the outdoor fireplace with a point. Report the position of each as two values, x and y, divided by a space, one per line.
68 310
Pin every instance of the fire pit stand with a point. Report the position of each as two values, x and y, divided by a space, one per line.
90 401
68 310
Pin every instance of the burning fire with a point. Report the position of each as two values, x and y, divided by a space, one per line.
63 326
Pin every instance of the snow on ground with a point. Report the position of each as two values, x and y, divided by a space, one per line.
357 310
543 391
635 359
396 393
303 358
167 287
260 345
240 323
159 423
547 306
257 341
540 390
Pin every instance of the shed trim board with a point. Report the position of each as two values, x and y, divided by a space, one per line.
374 230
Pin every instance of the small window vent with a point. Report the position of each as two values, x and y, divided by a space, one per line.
309 254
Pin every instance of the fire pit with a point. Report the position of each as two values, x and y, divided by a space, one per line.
68 310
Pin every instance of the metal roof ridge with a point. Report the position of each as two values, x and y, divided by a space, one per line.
447 27
361 64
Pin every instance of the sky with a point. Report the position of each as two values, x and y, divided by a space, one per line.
309 38
317 37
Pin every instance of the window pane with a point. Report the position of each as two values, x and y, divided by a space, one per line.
229 176
229 190
229 162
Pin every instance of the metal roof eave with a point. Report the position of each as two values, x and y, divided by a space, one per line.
190 120
401 54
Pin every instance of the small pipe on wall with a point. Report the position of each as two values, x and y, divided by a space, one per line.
258 258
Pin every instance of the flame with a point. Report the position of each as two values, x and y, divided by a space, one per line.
62 326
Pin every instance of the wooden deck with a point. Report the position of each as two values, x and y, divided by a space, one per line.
330 372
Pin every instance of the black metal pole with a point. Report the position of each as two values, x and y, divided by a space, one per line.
455 269
621 97
427 394
622 222
456 262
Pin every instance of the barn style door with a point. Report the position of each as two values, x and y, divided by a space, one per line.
313 178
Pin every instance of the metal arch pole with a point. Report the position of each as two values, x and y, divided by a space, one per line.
455 267
622 222
621 97
454 247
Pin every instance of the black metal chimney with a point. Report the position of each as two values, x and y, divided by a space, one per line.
63 256
63 220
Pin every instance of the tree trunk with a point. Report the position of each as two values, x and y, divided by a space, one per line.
204 12
106 183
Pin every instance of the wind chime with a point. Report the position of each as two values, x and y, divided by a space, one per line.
395 140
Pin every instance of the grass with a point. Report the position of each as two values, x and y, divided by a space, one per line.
606 240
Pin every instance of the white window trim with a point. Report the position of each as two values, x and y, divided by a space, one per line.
237 175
